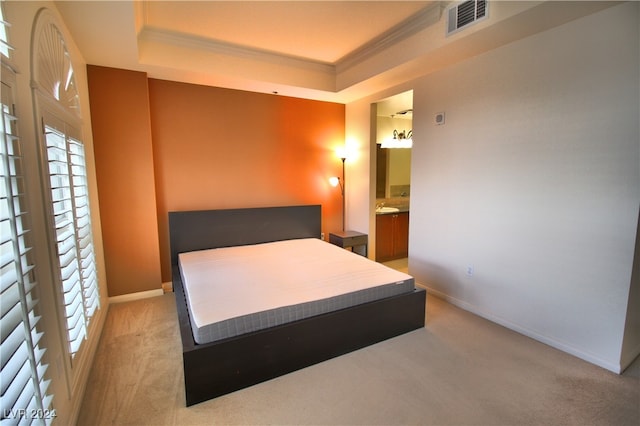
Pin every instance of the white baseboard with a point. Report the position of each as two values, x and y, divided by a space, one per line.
578 353
136 296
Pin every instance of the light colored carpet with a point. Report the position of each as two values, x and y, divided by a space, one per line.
458 370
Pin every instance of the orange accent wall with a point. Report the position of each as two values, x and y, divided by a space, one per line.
120 120
162 146
221 148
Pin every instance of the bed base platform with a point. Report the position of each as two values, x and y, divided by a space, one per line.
218 368
224 366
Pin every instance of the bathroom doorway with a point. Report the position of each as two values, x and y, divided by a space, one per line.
394 138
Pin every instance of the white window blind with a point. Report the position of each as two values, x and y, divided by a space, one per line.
5 47
72 228
24 390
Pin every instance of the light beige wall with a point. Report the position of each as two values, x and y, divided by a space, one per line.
631 342
534 182
360 124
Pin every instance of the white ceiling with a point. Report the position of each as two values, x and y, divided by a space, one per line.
337 51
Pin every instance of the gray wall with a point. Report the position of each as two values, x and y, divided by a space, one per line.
534 184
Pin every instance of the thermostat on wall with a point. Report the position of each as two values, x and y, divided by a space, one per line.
439 119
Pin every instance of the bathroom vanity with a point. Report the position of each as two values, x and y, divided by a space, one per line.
392 234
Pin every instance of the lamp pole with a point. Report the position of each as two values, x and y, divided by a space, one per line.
344 184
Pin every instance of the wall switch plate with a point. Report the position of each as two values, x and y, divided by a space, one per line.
470 270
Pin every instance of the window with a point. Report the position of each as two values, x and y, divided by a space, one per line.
65 181
24 389
72 229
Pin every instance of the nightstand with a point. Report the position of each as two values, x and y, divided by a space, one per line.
351 239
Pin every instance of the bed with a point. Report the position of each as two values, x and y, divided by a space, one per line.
237 345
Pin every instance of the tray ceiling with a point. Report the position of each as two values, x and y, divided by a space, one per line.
336 51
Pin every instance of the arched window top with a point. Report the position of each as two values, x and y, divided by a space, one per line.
52 70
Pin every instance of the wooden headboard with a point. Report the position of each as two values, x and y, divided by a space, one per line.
207 229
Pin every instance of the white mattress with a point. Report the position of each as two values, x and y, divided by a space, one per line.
236 290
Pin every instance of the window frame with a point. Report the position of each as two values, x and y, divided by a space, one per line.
56 103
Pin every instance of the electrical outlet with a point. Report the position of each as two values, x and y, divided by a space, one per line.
322 236
470 270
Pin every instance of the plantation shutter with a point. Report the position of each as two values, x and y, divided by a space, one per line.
65 238
72 226
24 390
83 224
65 177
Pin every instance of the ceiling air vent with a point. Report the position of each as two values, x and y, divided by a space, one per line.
465 13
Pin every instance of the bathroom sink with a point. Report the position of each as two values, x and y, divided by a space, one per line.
387 210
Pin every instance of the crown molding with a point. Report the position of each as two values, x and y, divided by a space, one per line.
405 29
410 26
154 35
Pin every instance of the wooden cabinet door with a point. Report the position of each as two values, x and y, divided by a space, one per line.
384 237
392 236
401 235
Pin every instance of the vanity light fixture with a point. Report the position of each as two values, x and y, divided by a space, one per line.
401 139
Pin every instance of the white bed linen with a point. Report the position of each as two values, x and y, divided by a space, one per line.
234 282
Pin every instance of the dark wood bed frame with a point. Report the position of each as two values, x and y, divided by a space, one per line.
224 366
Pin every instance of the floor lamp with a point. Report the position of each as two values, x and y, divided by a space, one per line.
335 181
